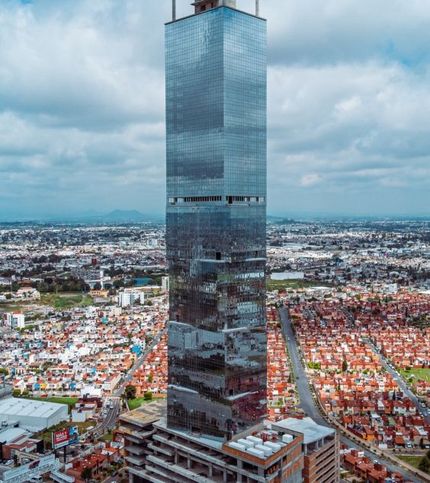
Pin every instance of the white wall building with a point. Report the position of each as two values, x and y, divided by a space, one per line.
15 321
130 297
165 284
91 391
31 471
28 293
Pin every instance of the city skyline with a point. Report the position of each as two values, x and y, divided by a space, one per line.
347 132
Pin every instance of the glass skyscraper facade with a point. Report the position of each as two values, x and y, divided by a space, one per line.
216 219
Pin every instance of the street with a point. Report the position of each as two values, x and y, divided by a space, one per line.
110 418
401 382
129 376
113 403
109 421
309 404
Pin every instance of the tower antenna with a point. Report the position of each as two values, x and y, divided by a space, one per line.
257 8
173 10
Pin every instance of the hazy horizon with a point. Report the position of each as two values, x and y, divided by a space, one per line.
133 215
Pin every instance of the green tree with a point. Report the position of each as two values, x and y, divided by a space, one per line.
148 396
86 474
425 465
130 392
4 371
344 365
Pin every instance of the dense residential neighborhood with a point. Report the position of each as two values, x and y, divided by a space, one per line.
84 329
348 375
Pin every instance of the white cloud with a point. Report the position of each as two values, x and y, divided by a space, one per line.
329 31
310 179
82 104
360 126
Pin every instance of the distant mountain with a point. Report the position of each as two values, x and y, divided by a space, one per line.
279 220
124 216
135 216
92 218
121 216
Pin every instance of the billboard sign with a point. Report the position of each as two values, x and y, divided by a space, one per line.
65 437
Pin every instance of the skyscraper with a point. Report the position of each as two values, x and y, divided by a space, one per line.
216 219
216 252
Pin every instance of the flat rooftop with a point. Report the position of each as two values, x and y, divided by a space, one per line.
15 407
5 390
147 414
3 469
11 434
265 442
214 443
311 431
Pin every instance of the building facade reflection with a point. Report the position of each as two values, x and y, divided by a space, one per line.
216 219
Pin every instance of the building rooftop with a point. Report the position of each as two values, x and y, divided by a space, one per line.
262 444
214 443
146 414
5 390
202 5
28 407
310 429
11 434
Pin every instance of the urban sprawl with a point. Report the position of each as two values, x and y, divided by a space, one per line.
84 343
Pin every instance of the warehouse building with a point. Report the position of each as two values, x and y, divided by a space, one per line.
34 416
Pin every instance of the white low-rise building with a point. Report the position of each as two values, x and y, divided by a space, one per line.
15 321
34 416
129 297
28 293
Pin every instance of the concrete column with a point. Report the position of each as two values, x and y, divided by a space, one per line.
239 464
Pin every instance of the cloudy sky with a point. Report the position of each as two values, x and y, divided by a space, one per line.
82 108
